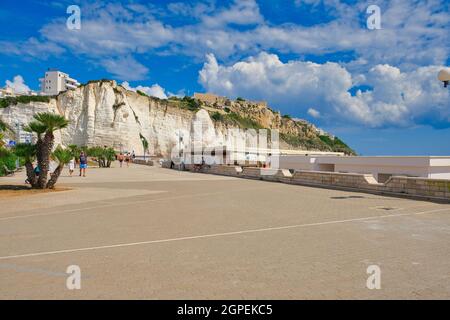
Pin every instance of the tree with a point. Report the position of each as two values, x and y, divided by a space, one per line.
104 156
144 144
44 125
7 158
74 150
63 157
27 152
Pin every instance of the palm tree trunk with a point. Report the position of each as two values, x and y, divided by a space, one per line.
45 151
54 177
31 175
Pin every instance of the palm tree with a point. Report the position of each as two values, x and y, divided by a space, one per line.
63 157
39 129
74 149
144 144
103 155
45 123
27 151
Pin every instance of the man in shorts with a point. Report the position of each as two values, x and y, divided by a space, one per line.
83 164
120 158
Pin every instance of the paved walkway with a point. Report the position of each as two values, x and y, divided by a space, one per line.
147 232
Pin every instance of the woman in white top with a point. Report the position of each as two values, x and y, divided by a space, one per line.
71 166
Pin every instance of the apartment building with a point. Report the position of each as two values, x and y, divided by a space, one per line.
56 81
6 92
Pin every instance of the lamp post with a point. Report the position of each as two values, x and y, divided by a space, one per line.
444 76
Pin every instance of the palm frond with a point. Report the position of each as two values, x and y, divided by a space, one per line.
35 126
25 150
62 155
51 121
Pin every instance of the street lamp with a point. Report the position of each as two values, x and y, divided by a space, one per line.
444 76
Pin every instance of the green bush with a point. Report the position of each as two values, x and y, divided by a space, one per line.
337 145
142 93
227 110
8 159
240 99
104 156
286 116
243 122
5 102
97 81
217 116
185 103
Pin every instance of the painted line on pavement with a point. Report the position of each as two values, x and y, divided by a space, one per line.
215 235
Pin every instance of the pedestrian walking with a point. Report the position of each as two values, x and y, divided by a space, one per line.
83 164
120 158
71 166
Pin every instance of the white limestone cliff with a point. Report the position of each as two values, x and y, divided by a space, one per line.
104 114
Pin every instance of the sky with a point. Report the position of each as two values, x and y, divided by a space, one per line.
318 60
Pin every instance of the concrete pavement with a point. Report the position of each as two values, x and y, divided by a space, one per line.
151 233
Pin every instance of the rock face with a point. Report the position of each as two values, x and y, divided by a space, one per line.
103 113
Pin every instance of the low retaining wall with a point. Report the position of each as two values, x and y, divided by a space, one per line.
423 188
233 171
143 162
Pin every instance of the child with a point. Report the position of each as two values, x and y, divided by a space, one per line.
71 166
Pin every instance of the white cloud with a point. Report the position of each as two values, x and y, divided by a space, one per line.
241 12
125 68
18 85
313 113
414 33
397 98
155 90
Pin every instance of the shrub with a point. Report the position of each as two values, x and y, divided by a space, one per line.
337 145
191 103
8 159
142 93
185 103
5 102
243 122
103 155
217 116
97 81
240 99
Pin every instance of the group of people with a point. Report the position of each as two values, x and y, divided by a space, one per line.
82 160
82 163
127 157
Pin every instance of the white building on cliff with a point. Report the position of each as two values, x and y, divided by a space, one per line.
56 81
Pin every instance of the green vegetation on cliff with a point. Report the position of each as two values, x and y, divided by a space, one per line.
185 103
233 118
322 143
337 145
5 102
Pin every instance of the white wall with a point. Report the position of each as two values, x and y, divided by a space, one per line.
426 167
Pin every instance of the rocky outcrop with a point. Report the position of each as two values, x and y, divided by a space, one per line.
104 113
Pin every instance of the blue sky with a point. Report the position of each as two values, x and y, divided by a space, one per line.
313 59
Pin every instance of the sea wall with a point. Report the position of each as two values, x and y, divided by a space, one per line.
420 188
